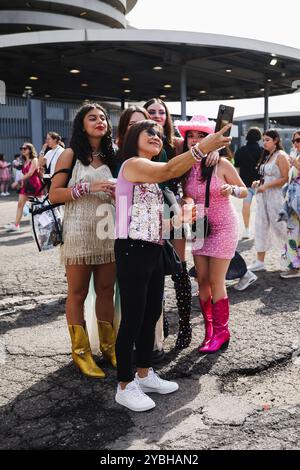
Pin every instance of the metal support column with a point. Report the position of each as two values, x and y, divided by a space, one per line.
266 111
183 91
123 103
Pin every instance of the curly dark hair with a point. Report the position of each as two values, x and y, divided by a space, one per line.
80 143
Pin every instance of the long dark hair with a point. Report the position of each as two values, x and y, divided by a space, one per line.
125 120
168 127
130 144
274 134
80 143
204 169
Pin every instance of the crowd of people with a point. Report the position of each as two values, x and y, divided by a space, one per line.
126 182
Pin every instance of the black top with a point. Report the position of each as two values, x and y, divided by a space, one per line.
246 158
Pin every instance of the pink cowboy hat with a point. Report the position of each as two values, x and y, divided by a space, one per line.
197 123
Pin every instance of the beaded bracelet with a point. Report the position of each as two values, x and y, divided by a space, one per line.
79 190
236 191
196 153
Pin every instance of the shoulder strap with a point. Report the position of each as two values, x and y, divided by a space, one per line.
207 187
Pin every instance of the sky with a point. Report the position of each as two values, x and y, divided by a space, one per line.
277 22
257 19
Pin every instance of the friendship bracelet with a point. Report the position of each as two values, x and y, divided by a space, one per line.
236 191
197 153
79 190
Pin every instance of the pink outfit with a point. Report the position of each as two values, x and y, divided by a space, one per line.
34 181
139 209
222 217
4 172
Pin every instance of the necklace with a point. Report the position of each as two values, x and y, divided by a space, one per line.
97 154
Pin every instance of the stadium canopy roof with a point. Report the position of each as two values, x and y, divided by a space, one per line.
176 65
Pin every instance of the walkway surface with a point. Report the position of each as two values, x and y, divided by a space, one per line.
245 398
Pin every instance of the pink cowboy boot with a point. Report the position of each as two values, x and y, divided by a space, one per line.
206 309
221 335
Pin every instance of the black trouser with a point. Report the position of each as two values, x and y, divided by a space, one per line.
141 280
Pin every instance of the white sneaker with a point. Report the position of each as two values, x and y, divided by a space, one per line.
246 234
7 194
133 397
10 225
2 194
153 383
257 266
245 281
14 228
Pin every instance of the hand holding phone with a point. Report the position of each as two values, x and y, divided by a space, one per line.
225 116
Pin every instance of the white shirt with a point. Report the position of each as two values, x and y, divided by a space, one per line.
52 156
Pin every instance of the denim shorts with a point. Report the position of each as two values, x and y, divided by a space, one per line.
251 193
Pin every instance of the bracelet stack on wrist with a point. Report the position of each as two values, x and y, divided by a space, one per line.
236 191
79 190
196 153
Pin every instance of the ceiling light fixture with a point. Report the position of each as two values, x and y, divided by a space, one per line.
167 85
157 67
125 79
228 70
202 92
83 13
273 62
33 78
127 91
84 84
74 71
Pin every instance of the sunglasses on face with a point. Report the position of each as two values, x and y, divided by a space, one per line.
24 148
296 141
154 133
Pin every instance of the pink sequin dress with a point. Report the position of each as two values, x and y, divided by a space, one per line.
222 217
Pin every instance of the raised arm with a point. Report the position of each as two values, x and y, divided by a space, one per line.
142 170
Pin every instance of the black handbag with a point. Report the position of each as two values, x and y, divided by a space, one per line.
201 227
171 260
29 189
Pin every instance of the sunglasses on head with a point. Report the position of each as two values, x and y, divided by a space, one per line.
296 141
153 133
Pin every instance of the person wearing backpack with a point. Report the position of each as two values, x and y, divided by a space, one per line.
246 159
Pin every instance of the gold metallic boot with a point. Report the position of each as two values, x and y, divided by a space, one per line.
107 341
82 354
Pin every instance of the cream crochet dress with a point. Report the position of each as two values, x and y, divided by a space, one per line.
88 239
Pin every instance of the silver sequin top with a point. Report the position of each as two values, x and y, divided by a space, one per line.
146 214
